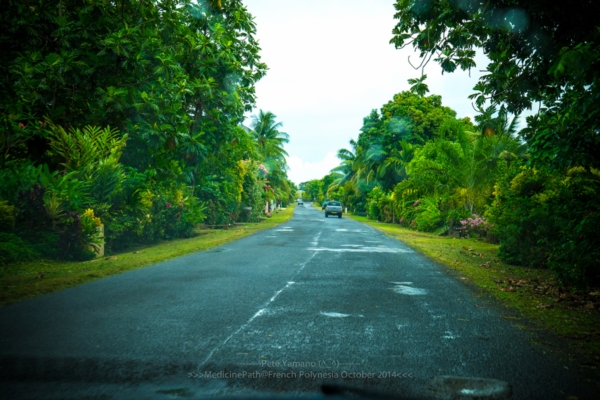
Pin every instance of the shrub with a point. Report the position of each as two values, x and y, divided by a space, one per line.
31 214
547 219
379 205
429 217
7 216
44 243
89 226
74 240
475 226
14 249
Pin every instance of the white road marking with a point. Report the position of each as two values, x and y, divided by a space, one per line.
315 241
449 335
279 291
334 314
408 290
258 313
362 250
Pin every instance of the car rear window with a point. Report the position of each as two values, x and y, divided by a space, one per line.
334 203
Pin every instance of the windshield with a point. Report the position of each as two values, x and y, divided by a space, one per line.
258 198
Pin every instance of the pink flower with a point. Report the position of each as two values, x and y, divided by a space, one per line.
168 205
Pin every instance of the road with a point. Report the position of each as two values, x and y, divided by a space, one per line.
280 311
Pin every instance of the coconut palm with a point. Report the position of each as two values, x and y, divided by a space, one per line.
269 139
494 145
346 170
397 161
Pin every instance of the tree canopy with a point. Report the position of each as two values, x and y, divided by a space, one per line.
129 114
544 55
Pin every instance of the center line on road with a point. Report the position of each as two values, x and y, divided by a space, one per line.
259 312
362 250
315 241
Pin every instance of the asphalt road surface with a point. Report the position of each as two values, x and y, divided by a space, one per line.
280 312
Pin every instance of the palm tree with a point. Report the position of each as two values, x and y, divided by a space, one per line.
269 139
397 161
496 125
484 152
346 170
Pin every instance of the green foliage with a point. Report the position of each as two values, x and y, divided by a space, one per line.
379 205
419 86
269 139
31 213
540 53
14 249
410 117
252 203
147 212
92 155
545 219
176 75
74 239
269 143
428 216
313 190
131 117
373 206
7 216
16 176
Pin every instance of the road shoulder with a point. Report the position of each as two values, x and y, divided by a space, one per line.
27 280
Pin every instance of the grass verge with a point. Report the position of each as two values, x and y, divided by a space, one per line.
531 295
24 280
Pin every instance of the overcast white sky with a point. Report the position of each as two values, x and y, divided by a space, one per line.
330 63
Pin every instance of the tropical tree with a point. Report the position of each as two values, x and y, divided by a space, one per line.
346 171
541 54
172 78
269 142
269 139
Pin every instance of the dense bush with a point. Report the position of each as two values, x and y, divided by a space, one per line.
14 249
546 219
74 241
177 98
375 201
428 218
474 226
7 216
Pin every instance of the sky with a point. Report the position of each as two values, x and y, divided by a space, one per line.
330 63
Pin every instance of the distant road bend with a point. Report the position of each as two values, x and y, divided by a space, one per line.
313 300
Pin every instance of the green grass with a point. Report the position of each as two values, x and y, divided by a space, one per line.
476 263
25 280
